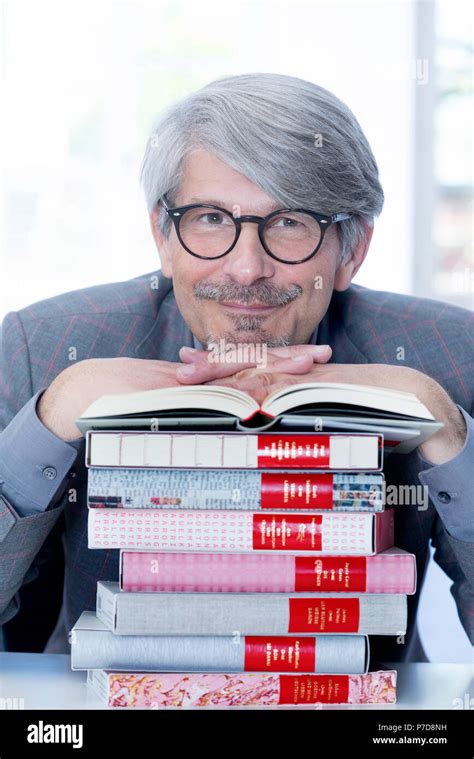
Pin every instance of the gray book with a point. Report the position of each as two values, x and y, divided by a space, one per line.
93 646
147 613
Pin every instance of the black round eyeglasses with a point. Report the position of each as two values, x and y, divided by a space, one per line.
289 235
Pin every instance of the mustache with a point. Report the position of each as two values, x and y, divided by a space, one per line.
266 294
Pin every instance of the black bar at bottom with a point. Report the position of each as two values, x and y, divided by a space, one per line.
293 732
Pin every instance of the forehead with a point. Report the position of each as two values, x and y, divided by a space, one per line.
208 179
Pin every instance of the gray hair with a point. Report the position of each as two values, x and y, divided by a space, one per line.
295 140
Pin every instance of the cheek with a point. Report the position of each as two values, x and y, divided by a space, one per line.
185 269
323 282
187 273
317 281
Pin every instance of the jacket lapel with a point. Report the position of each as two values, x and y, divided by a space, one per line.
168 333
333 331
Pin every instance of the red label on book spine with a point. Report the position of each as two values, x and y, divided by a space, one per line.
331 573
313 689
296 491
287 451
287 532
325 615
279 654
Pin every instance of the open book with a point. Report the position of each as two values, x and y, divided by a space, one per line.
307 407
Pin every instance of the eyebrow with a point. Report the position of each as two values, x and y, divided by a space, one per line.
213 202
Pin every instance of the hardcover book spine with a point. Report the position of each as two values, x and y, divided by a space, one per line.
157 691
253 573
249 613
235 451
233 489
334 654
199 530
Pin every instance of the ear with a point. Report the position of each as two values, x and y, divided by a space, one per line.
346 271
162 243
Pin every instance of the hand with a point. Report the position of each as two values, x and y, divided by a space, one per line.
203 366
75 388
438 449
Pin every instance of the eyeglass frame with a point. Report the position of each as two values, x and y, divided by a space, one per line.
324 221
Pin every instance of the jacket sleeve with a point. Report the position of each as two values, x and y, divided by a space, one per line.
450 489
34 469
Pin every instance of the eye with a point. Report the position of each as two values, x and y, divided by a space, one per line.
213 218
286 221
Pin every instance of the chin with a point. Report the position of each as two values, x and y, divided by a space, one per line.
248 338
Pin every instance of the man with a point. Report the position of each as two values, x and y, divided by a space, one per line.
260 229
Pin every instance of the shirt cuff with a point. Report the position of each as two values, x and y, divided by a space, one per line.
450 487
34 462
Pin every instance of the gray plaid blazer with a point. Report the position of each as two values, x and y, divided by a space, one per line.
139 320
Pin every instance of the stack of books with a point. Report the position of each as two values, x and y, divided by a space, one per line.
256 552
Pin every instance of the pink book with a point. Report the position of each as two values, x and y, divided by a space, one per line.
392 571
159 691
356 534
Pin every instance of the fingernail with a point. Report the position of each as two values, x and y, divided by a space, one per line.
301 357
321 348
187 370
188 349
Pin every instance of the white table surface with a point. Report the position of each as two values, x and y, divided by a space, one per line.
46 681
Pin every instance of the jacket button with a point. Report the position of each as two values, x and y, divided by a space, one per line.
444 497
49 472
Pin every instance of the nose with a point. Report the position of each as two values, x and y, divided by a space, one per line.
248 260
